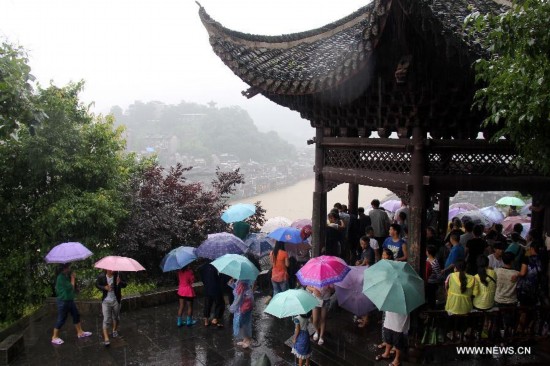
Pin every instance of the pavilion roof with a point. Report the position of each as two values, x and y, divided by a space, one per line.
321 59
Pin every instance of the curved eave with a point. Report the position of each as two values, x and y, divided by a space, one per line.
301 63
446 17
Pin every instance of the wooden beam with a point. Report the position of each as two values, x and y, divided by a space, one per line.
392 181
487 183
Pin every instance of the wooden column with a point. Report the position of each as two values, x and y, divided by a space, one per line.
443 219
353 198
319 215
418 201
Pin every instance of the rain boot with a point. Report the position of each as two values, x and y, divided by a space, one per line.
180 322
190 321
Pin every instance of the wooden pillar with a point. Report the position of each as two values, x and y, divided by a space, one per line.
418 202
319 215
353 198
443 219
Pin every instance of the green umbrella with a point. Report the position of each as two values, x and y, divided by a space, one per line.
394 286
291 303
510 201
236 266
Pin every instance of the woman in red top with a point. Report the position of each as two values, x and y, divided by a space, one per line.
280 262
186 294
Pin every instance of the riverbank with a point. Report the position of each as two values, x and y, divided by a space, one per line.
296 201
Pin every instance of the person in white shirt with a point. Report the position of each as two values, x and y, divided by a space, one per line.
396 326
495 259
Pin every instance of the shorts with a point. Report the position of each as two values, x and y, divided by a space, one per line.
186 298
396 339
324 304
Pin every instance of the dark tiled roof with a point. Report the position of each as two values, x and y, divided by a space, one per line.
320 59
301 63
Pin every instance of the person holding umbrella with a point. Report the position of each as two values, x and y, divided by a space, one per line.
110 284
298 304
65 285
280 262
212 295
301 347
395 328
242 309
186 295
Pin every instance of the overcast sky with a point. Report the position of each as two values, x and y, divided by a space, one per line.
129 50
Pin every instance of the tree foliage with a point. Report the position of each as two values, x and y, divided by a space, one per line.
65 182
16 92
167 212
516 77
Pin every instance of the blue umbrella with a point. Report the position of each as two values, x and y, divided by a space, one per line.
258 244
219 244
236 266
238 212
178 258
286 234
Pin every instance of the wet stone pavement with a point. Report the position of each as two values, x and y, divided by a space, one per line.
149 336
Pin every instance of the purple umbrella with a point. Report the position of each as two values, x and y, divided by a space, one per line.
349 292
493 214
219 244
465 205
67 252
391 205
455 211
259 244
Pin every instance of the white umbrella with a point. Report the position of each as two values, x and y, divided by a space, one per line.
493 214
275 223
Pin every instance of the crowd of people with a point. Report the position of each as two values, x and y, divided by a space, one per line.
469 269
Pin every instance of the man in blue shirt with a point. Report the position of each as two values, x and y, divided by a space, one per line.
457 253
397 245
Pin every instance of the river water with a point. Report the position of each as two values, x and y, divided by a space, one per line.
296 201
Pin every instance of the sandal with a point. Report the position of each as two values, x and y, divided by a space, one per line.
57 341
382 357
219 325
84 334
381 345
394 364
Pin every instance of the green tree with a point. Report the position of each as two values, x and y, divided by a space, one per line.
516 77
65 182
16 92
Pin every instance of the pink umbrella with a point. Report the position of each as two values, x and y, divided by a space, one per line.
300 223
116 263
322 271
349 292
509 222
465 205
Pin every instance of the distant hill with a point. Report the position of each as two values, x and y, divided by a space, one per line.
200 131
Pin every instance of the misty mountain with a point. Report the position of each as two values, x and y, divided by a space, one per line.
200 131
